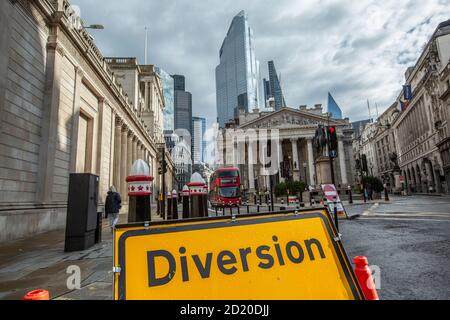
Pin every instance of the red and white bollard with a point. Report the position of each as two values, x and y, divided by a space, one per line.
174 205
197 193
186 195
139 192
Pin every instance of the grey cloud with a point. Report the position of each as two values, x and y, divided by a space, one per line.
317 46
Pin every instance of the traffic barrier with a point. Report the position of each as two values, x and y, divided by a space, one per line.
365 279
37 295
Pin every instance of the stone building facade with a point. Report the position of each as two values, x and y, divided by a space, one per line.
422 126
243 146
419 133
62 110
444 144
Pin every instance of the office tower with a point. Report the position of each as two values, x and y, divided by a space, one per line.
238 84
198 139
275 87
333 108
182 104
168 91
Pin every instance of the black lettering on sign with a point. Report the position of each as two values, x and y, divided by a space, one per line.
204 270
152 280
244 253
222 262
227 261
264 256
309 244
290 254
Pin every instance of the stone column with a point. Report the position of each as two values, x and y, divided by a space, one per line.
130 152
117 153
49 130
146 92
280 159
123 161
251 171
295 160
311 181
134 144
342 163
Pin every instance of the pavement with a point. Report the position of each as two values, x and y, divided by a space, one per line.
408 238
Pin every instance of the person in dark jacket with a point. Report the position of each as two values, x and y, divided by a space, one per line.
113 204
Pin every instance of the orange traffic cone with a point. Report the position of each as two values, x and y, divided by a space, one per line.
37 295
365 278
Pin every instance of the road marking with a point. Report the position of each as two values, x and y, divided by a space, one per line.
404 219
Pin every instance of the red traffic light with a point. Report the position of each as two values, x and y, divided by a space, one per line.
332 130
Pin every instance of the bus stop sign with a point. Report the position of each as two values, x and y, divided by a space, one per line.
285 256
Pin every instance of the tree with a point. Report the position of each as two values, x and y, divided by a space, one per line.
376 183
294 187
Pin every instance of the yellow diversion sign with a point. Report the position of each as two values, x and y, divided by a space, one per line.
263 257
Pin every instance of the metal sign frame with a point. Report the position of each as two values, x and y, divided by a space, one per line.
153 228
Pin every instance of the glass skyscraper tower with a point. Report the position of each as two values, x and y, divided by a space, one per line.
275 87
333 108
168 90
238 83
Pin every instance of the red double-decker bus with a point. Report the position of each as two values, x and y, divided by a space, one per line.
225 188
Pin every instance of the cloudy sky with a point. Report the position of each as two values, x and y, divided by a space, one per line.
357 50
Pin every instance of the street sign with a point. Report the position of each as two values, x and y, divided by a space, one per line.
266 257
332 196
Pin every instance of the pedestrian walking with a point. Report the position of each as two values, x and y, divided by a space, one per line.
370 192
113 204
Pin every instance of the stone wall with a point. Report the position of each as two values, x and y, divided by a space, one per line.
61 109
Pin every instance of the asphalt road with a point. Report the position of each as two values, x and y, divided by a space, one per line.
409 240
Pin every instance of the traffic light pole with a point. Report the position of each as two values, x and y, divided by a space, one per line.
164 185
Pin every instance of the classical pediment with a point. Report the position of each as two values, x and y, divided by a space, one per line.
288 118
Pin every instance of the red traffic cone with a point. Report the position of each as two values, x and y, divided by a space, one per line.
365 279
37 295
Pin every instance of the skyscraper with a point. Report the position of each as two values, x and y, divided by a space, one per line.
267 92
275 87
333 108
198 139
168 90
238 83
182 104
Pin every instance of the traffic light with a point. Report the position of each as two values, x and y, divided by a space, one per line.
332 141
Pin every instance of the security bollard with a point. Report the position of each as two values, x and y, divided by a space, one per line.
185 195
174 205
205 200
169 208
197 194
139 192
350 196
336 218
